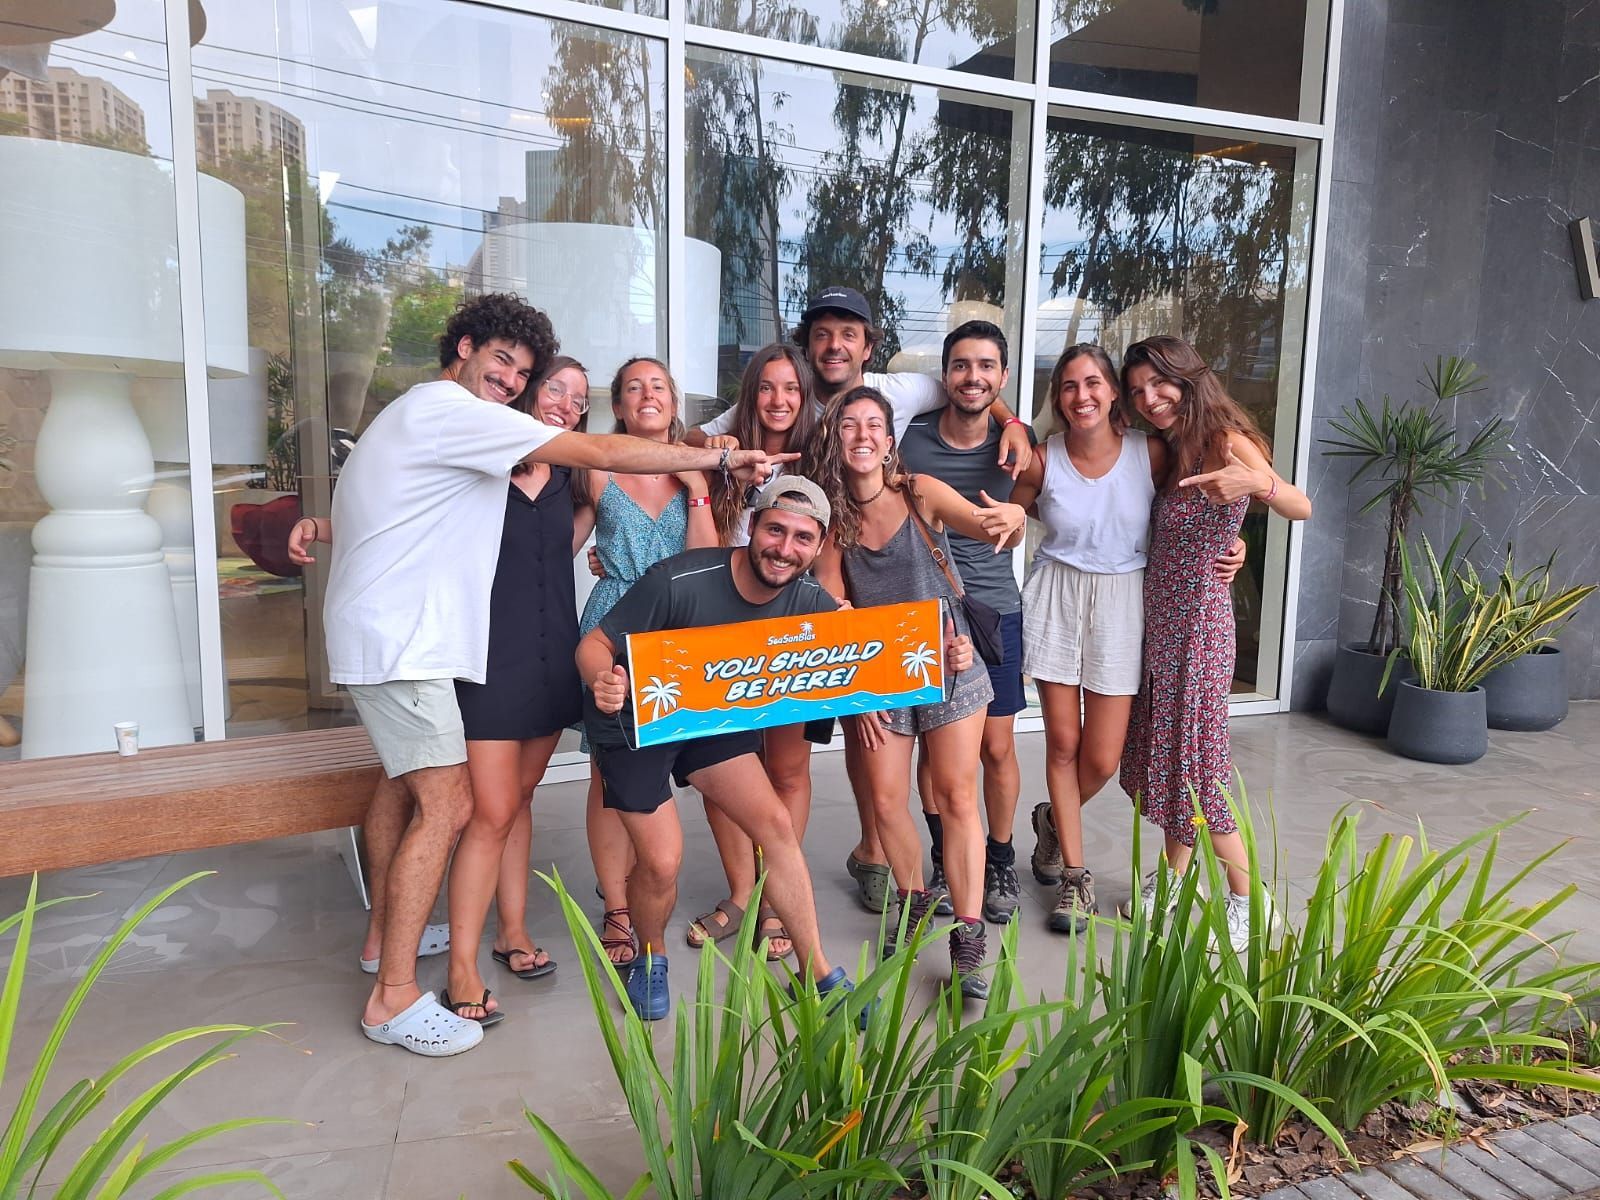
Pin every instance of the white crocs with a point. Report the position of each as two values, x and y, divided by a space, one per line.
427 1029
435 940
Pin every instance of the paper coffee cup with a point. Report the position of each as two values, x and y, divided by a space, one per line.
127 738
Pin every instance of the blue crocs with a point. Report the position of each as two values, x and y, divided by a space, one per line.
647 987
837 984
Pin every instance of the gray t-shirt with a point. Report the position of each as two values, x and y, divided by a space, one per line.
987 575
688 591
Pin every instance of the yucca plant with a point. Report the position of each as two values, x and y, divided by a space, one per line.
1414 452
1409 970
1523 610
118 1157
1450 634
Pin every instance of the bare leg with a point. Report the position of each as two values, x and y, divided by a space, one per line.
443 797
387 818
511 893
886 775
1002 776
657 840
741 789
737 853
952 749
1105 732
1062 734
496 771
1231 853
610 851
870 847
787 757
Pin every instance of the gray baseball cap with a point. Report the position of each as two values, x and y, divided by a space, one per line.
796 494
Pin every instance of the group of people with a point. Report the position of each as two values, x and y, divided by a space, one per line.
451 618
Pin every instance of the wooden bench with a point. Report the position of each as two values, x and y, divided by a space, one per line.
98 808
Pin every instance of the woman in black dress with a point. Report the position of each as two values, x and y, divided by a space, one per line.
531 692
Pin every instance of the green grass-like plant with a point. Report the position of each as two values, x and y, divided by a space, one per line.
118 1157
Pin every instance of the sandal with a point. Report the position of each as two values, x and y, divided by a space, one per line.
489 1018
623 939
769 928
503 957
709 928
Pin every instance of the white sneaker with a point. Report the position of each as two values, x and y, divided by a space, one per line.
1238 916
1146 898
428 1029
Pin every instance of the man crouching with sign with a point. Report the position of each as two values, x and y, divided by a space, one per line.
767 578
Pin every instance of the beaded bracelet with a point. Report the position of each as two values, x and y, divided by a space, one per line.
1271 492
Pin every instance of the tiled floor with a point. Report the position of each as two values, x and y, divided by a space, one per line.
273 936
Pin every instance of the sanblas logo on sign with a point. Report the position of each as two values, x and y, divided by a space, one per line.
690 683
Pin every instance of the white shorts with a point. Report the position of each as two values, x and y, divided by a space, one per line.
1082 628
413 723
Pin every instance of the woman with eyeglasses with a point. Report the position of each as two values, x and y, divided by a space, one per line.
639 520
531 692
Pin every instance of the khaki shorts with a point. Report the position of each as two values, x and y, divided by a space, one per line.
413 723
1083 628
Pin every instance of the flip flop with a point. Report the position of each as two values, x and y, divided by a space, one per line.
435 940
426 1029
503 957
769 928
488 1018
707 928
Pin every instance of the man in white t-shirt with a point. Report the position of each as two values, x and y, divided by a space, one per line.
419 509
839 338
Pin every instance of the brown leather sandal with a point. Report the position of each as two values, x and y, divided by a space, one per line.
721 922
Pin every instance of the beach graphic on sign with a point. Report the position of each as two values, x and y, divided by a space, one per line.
689 683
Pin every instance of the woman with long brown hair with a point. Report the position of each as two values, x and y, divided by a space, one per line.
1178 754
880 550
775 411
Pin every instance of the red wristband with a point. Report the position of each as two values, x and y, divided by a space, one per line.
1013 421
1271 492
699 501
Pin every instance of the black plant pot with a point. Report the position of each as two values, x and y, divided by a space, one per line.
1441 727
1353 699
1528 693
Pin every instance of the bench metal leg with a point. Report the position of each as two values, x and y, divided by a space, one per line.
350 851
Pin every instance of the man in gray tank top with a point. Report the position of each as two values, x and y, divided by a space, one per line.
959 444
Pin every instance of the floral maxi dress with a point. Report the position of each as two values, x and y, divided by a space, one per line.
1178 731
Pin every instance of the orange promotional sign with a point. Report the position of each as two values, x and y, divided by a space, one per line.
690 683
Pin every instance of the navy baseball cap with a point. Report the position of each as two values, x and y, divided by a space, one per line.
839 299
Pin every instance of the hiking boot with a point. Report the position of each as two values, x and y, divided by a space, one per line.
968 949
940 887
916 906
1001 892
1074 901
1047 864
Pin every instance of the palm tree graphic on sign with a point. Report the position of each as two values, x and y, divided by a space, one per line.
663 697
806 627
916 662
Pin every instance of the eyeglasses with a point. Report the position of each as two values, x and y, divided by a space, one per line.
561 393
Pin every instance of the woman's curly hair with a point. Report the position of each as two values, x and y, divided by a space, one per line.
825 458
499 316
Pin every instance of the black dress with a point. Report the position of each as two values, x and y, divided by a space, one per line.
531 688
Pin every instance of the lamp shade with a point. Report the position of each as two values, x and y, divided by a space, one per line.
88 247
599 285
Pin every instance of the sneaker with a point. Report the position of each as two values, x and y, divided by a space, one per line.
1238 917
1047 864
1074 901
968 949
917 906
940 887
1146 898
1001 892
647 987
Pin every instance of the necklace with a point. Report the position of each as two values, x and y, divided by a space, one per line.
881 488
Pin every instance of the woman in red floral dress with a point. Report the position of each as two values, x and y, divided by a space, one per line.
1177 751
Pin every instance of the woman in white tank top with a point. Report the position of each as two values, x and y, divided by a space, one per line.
1083 606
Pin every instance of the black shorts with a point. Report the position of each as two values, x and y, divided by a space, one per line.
636 781
1009 696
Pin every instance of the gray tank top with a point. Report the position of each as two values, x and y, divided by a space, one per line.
902 572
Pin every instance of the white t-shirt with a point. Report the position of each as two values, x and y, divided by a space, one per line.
909 394
417 518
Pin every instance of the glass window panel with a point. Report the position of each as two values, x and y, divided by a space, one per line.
97 589
1234 55
1151 231
985 37
911 194
397 157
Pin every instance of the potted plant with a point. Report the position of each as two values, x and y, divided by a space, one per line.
1528 691
1414 451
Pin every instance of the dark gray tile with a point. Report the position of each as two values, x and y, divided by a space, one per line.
1511 1171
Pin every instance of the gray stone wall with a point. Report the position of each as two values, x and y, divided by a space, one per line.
1468 135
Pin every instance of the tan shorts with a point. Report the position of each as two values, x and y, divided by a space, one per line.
1082 628
413 723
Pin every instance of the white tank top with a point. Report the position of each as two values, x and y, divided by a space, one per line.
1102 525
